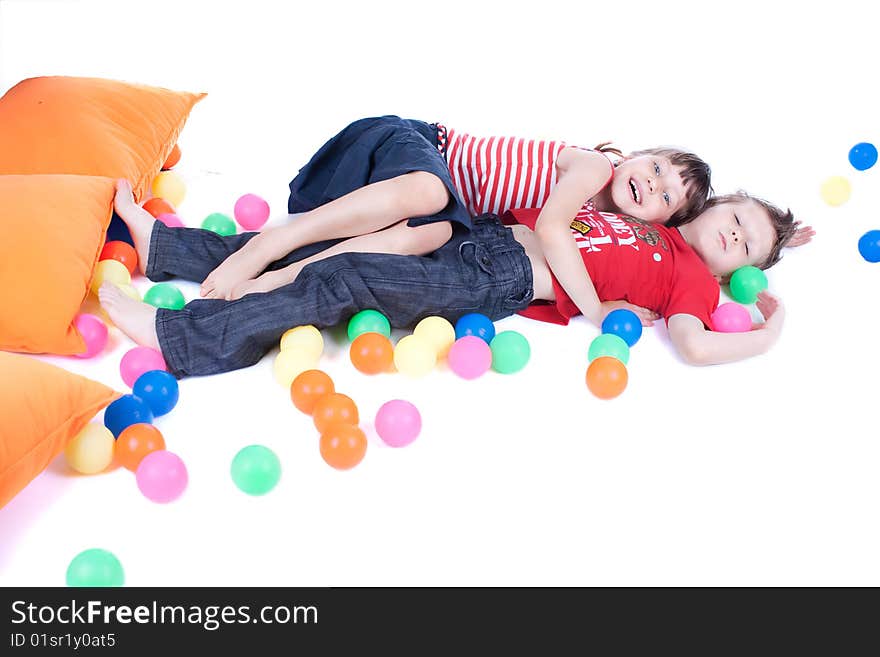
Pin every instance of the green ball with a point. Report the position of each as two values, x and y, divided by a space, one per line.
746 283
95 567
219 223
256 469
609 344
165 295
510 352
368 321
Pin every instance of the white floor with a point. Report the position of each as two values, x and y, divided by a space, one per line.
757 473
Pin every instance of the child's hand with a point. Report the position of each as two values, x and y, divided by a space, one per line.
802 235
646 315
771 308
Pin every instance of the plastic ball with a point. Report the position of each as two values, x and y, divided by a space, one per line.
334 408
109 270
171 220
91 450
836 190
255 469
165 295
219 223
469 357
290 363
306 339
731 318
251 212
93 332
475 324
95 567
623 323
863 156
159 389
343 445
161 476
125 411
368 321
121 252
157 206
609 344
371 353
169 185
510 352
398 422
130 291
414 356
438 331
172 159
869 246
746 283
606 377
308 387
135 442
138 360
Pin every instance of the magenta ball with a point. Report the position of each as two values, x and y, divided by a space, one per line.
171 220
94 333
251 212
138 360
398 422
731 318
161 476
469 357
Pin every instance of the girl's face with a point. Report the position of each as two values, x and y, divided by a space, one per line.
648 187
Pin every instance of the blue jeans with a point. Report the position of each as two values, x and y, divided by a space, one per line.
485 270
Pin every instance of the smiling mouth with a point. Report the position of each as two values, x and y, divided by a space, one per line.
723 241
634 191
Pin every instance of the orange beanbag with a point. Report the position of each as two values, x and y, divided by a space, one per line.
42 407
52 231
91 126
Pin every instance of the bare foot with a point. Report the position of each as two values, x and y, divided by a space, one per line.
138 220
240 267
134 318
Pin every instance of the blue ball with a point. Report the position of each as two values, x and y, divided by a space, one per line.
623 323
125 411
869 246
863 156
159 389
475 324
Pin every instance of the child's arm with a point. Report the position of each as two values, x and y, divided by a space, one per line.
698 346
581 175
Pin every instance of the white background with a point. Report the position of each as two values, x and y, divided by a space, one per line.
763 472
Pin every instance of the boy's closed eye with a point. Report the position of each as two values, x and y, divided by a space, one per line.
745 244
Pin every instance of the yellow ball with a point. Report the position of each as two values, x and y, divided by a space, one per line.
290 363
307 339
169 186
836 190
131 291
91 450
414 356
110 270
437 331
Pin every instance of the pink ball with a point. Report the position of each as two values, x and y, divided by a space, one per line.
93 331
161 476
469 357
139 360
171 220
251 212
398 422
731 318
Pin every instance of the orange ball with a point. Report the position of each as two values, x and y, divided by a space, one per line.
334 408
343 445
121 252
371 353
606 377
173 158
308 387
156 206
135 442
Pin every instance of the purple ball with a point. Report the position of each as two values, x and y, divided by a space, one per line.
398 422
162 476
469 357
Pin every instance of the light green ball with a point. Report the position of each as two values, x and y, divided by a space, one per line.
256 469
746 283
95 567
165 295
219 223
510 352
609 344
368 321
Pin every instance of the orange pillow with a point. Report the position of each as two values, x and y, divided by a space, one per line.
52 230
42 407
91 126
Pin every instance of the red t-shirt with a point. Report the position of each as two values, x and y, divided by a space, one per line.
646 264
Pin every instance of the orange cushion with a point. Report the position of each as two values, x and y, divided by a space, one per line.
91 126
52 230
42 407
